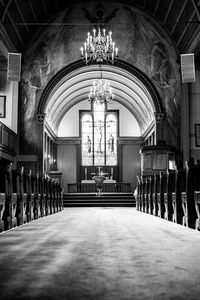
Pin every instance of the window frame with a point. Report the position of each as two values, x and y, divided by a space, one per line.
107 112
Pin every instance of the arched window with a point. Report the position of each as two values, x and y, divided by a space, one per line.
99 136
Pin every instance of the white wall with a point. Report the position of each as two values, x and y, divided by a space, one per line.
69 125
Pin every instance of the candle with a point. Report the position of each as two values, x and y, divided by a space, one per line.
85 173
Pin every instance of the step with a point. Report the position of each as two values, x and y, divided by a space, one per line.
100 205
94 195
92 200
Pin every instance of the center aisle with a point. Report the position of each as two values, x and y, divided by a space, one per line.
101 254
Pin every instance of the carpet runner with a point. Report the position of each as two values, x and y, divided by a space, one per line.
100 253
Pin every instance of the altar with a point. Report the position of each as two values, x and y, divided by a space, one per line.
93 181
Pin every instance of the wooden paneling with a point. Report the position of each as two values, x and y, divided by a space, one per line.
67 164
7 142
131 163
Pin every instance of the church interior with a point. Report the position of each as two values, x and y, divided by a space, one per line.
99 149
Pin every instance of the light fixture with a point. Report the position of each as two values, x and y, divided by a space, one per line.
101 91
99 48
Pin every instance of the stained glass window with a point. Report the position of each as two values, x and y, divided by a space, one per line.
111 140
87 137
99 136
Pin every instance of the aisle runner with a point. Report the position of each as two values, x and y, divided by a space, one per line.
100 253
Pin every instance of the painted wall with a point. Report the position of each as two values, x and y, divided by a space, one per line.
141 43
69 126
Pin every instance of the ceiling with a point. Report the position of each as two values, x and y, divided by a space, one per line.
21 19
74 88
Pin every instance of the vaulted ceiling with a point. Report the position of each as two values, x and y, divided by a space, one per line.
21 19
74 87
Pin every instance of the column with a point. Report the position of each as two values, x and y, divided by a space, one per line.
41 118
158 127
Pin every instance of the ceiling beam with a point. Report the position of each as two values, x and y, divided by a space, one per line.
186 27
196 8
5 10
44 7
179 16
32 11
156 8
145 3
21 15
168 11
55 3
15 29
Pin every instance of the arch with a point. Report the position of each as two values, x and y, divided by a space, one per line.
71 85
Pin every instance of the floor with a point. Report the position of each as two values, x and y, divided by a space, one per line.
101 254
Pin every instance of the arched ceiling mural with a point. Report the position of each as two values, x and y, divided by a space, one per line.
74 87
143 45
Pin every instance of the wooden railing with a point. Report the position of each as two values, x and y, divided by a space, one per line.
118 187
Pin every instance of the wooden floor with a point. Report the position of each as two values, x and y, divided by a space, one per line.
100 253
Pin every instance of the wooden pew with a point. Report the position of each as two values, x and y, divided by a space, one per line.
150 194
188 202
56 195
197 207
143 183
42 195
52 207
180 185
35 196
4 194
17 183
139 194
146 195
28 196
168 195
48 207
2 208
60 196
160 195
155 191
10 211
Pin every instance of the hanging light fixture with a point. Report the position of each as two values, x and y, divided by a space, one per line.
99 48
101 91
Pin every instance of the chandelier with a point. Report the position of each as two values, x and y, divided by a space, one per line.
101 91
99 47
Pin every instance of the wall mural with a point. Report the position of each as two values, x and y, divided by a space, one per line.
141 43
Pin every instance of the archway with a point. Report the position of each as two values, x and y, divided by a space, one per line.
132 89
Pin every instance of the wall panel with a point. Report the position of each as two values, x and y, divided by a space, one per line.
67 163
131 163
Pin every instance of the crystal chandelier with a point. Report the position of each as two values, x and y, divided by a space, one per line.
101 91
99 48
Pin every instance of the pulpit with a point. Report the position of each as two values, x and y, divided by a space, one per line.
158 158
